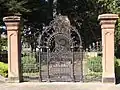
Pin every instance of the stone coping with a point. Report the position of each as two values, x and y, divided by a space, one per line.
108 16
11 18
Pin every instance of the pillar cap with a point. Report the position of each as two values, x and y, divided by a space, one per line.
108 16
11 19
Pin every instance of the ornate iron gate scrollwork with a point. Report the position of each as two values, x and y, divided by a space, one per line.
60 52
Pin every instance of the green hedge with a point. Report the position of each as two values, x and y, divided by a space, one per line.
3 69
95 64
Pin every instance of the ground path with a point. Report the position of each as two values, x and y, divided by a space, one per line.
58 86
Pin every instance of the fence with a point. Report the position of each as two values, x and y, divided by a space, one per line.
91 63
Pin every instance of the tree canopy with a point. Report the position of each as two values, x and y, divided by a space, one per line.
83 14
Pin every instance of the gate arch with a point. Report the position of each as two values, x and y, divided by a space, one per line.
60 52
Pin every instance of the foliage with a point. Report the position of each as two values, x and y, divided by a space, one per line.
4 56
117 39
29 62
3 42
83 14
93 76
28 59
117 68
95 64
16 6
117 62
30 35
3 69
113 6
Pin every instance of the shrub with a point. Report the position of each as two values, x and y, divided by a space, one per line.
3 69
29 63
117 62
93 76
95 64
28 60
117 67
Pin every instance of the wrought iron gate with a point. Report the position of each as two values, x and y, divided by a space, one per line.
60 53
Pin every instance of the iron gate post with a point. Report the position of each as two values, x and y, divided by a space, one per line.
81 61
72 74
48 76
40 51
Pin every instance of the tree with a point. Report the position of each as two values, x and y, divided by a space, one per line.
83 14
33 13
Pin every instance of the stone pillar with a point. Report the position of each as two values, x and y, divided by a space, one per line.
107 22
13 34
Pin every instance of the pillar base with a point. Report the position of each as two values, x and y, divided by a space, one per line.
108 80
13 80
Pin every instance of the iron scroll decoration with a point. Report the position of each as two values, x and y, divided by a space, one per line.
50 32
